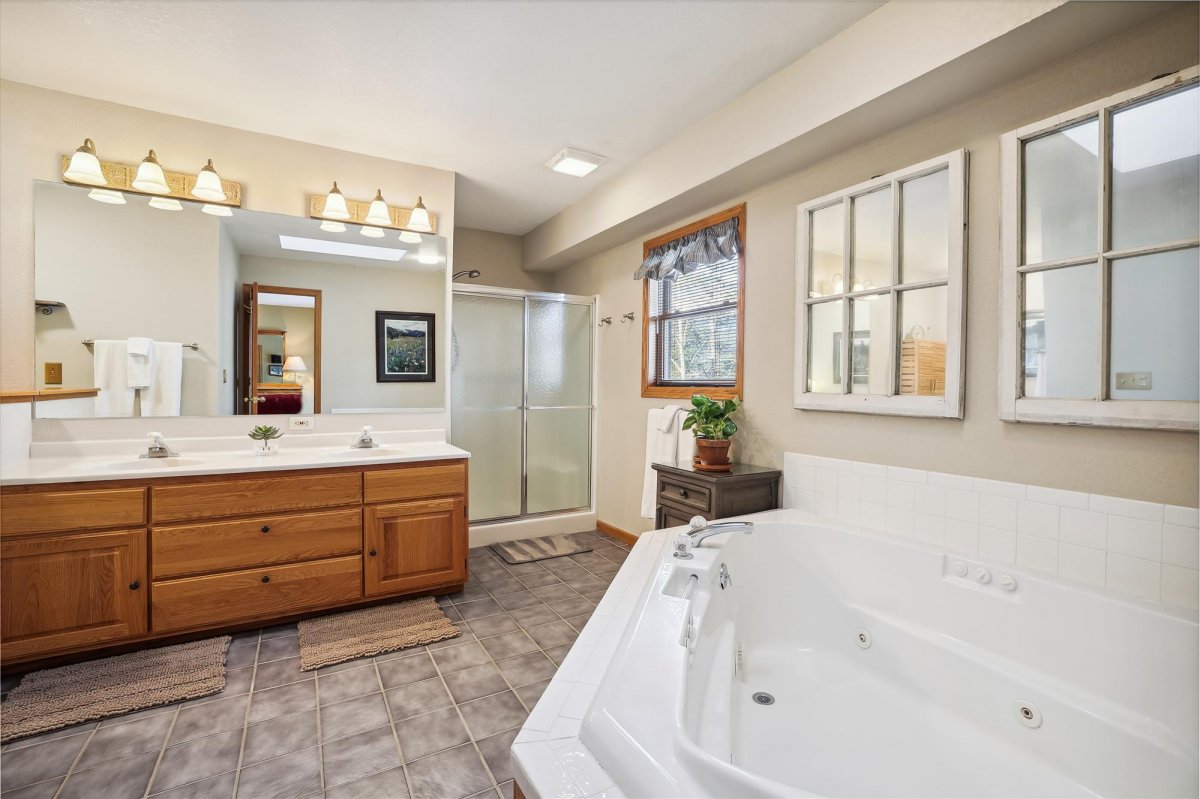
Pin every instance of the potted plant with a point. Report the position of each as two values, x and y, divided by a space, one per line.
265 435
709 421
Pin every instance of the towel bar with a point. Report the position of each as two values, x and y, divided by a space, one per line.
87 342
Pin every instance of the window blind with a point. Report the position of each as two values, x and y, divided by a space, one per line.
694 326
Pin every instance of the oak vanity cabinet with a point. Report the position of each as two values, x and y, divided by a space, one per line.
131 561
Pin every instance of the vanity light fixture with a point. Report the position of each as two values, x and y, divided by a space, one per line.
429 257
378 214
107 196
165 204
372 232
208 184
85 166
418 218
150 177
574 162
329 226
335 204
408 237
216 210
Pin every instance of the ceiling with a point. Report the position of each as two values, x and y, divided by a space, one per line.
489 89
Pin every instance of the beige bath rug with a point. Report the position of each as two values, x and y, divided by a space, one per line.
98 689
339 637
531 549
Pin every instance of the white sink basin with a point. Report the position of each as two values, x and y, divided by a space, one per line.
379 452
144 464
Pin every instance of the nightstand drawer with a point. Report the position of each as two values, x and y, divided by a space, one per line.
684 494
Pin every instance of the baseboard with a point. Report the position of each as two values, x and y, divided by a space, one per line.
494 532
612 531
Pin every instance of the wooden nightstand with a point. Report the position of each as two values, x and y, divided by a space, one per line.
684 492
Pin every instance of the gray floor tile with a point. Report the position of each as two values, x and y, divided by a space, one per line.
349 684
281 630
532 567
567 571
237 682
457 658
530 694
53 735
245 637
527 668
117 779
533 616
388 784
433 732
502 586
522 599
122 740
241 656
417 698
403 671
490 793
493 625
293 775
589 585
539 579
197 760
506 790
279 737
411 651
493 714
475 682
279 672
211 717
367 753
353 716
21 767
478 608
452 613
282 701
138 715
466 636
485 571
495 753
557 653
578 622
553 593
278 648
448 775
349 664
218 787
554 634
39 790
508 645
572 607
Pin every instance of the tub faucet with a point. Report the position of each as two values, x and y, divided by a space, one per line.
158 448
365 439
701 529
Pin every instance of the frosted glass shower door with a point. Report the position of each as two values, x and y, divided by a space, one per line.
559 405
487 384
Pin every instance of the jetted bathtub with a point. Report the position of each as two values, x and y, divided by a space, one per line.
837 663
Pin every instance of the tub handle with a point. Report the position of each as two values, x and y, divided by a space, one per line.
689 628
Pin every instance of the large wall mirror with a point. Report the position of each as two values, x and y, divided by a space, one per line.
169 311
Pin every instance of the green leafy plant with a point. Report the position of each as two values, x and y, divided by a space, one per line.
265 432
709 418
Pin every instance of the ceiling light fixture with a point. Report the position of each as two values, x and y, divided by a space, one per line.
335 204
574 162
85 166
329 226
372 232
326 247
418 218
378 213
216 210
150 177
208 184
107 196
165 204
408 237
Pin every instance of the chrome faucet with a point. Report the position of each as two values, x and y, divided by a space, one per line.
701 529
365 439
158 448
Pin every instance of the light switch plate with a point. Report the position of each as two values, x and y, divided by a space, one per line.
1133 381
53 374
300 423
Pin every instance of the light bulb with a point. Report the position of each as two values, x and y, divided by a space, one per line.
217 210
418 218
408 237
208 184
107 196
372 232
85 166
378 214
429 257
333 227
165 204
335 204
150 177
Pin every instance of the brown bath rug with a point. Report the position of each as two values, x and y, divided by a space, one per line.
327 640
99 689
531 549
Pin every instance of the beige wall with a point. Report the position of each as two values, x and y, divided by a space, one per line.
1155 466
498 256
37 126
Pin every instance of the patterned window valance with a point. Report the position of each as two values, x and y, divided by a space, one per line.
706 247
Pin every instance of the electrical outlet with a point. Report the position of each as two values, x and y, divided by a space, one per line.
300 423
53 374
1133 381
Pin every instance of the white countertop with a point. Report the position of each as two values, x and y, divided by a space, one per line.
120 461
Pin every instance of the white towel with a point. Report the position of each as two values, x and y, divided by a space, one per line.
140 369
166 388
668 443
109 362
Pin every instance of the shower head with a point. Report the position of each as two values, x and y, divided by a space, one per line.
471 274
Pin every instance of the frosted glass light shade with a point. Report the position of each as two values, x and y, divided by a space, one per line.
150 177
85 166
107 196
165 204
333 227
378 214
208 184
294 363
216 210
335 204
419 218
372 232
408 237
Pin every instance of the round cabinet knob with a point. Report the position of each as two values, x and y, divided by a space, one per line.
266 578
135 585
266 528
372 553
683 493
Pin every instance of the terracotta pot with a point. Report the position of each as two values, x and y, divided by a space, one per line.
714 455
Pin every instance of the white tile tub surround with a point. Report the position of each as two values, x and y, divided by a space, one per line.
1141 548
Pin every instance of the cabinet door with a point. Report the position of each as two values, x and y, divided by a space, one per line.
71 590
414 545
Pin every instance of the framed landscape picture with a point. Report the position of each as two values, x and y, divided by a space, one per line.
404 347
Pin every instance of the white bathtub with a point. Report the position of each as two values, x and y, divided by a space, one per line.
935 705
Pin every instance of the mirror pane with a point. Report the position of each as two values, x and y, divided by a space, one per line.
924 231
871 216
923 341
825 350
827 251
1061 323
870 343
1061 193
1155 327
1156 171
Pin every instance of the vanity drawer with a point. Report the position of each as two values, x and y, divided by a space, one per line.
57 511
198 602
184 502
415 482
684 495
224 546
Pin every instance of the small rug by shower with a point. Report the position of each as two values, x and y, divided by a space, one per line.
328 640
530 549
98 689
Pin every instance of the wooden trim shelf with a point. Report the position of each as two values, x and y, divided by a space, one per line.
46 394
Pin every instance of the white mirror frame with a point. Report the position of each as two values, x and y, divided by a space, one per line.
947 406
1103 412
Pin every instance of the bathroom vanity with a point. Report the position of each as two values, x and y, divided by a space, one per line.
87 564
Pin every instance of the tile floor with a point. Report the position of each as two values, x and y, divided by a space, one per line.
431 722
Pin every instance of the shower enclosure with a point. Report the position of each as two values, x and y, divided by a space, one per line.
521 400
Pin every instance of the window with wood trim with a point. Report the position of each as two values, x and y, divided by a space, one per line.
692 315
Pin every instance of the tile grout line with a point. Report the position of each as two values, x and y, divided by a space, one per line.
462 720
392 722
320 748
237 774
162 751
75 760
